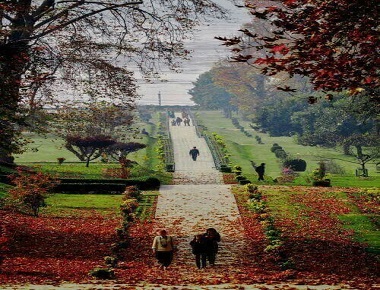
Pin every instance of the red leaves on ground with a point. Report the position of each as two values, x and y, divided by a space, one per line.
56 249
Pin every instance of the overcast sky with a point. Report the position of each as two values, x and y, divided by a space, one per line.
206 52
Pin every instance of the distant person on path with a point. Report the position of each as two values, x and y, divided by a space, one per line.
194 153
186 122
260 171
163 248
212 238
198 247
178 121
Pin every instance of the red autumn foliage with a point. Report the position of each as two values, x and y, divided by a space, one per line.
50 249
331 42
229 178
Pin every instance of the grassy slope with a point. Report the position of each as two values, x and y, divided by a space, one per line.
243 149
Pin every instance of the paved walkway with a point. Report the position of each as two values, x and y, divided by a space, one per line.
198 200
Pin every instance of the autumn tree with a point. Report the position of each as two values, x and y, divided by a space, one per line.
30 190
77 50
334 43
120 149
94 119
207 94
88 148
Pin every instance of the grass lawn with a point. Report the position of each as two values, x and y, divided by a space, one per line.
75 204
45 150
242 149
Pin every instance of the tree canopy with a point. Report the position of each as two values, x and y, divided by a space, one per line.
77 50
334 43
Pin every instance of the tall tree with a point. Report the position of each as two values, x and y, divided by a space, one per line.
207 94
81 49
333 42
94 119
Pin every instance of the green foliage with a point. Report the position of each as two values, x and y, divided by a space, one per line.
256 206
209 95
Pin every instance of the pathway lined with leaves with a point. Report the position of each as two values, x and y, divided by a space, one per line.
198 200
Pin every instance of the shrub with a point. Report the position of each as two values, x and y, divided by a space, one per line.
132 192
237 168
280 153
251 188
240 177
110 261
102 273
256 206
30 190
225 168
275 147
295 164
150 183
244 181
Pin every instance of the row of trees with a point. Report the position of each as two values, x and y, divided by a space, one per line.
54 52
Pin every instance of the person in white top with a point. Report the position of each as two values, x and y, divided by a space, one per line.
163 248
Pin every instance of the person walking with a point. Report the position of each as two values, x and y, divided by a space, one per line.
163 248
260 171
198 247
194 153
212 238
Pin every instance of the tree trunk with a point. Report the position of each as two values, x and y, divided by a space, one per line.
13 60
346 149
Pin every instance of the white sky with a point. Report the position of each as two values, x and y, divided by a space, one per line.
206 52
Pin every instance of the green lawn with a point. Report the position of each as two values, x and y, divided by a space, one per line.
243 149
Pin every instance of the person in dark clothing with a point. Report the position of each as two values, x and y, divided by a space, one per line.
260 171
211 237
198 247
194 153
178 121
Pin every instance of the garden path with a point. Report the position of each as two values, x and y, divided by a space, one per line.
197 200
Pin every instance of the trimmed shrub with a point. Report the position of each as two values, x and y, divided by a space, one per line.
150 183
244 181
102 273
240 177
295 164
225 168
280 153
275 147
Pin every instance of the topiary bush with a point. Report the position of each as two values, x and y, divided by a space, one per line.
280 153
151 183
225 168
295 164
275 147
102 273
